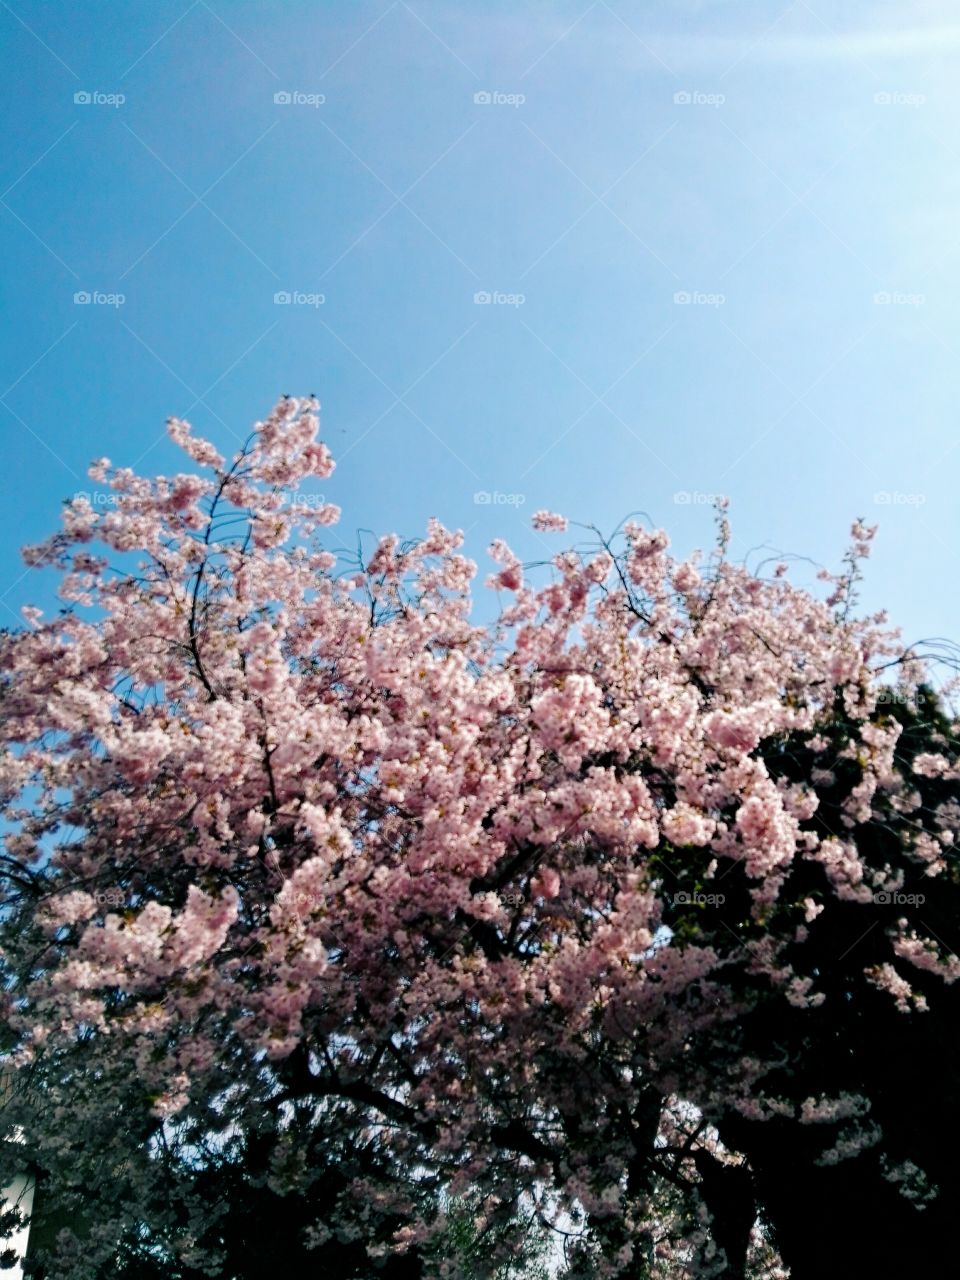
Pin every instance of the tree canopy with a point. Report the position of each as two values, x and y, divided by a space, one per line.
328 911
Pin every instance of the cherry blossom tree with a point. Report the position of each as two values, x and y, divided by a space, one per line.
327 910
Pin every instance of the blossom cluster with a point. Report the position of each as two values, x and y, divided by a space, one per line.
375 853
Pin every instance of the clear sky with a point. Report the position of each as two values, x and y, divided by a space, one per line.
791 169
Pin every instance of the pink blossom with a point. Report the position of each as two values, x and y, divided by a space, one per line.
431 874
549 522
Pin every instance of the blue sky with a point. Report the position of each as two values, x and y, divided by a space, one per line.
791 171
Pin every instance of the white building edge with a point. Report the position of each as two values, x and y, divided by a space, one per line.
19 1194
